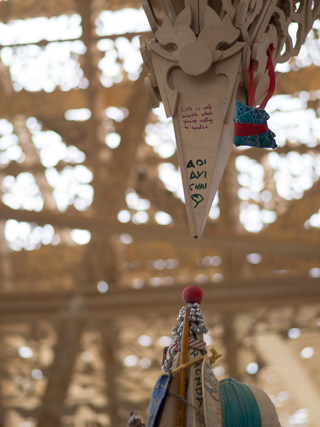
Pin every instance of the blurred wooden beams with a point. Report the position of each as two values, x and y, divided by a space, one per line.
51 105
5 267
32 161
110 346
229 220
111 177
228 296
15 9
259 155
298 212
301 246
72 132
104 265
154 190
59 373
305 79
294 376
230 341
121 168
99 155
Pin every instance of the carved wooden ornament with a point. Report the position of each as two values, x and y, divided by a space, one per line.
198 67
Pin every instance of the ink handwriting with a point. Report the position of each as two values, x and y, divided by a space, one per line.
198 174
197 118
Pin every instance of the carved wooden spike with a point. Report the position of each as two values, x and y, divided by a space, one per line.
202 108
201 127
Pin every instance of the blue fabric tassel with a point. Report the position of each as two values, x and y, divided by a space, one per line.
239 406
245 114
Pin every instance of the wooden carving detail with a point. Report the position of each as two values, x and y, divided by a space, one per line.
198 66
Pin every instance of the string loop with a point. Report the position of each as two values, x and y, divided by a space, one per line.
272 78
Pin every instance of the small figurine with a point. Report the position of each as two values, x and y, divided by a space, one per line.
188 394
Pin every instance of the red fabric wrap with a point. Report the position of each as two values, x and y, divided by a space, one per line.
249 129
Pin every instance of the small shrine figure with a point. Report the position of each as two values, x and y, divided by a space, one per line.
188 394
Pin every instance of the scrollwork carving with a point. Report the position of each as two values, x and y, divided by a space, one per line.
206 32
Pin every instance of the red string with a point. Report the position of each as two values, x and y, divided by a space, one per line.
251 85
272 78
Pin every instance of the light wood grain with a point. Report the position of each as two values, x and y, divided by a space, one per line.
202 109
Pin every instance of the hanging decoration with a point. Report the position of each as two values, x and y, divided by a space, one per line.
250 123
187 393
204 57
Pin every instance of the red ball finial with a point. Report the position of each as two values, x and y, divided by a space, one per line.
192 294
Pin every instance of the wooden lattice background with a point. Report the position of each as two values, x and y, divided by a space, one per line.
82 326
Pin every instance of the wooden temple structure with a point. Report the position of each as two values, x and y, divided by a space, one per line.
95 246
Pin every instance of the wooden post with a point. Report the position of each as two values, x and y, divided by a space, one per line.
183 373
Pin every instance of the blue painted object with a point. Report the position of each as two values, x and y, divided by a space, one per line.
157 397
239 406
256 116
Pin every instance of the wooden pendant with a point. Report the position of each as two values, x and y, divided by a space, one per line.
198 66
201 124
